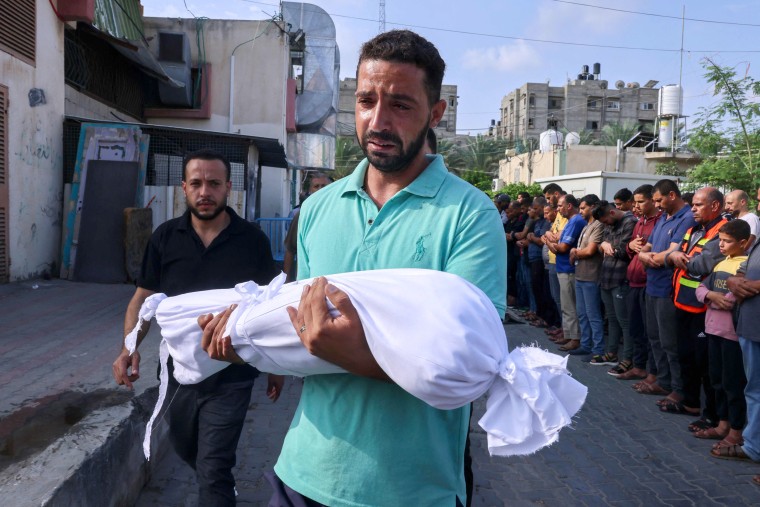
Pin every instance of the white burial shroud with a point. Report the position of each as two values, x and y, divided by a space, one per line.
435 334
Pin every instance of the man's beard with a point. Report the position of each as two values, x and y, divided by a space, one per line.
392 163
207 215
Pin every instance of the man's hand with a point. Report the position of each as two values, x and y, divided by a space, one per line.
636 244
743 288
679 259
647 260
121 366
573 255
339 340
607 249
214 342
274 386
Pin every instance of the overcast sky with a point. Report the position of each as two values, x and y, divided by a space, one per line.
492 47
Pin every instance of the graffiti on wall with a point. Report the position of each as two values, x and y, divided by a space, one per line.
35 147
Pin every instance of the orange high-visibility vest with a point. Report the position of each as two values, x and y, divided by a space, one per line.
684 284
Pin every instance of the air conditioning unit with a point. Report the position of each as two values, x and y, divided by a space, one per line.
174 57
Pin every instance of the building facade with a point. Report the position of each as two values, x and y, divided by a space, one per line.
586 103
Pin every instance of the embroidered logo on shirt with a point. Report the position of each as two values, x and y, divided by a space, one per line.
419 250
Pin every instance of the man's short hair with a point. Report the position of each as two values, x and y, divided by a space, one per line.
713 194
205 154
646 190
687 196
551 188
623 194
502 198
524 195
591 200
738 229
571 200
667 186
405 46
539 201
602 209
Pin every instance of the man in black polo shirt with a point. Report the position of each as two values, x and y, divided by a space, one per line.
209 247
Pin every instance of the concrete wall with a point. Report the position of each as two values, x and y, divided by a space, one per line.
603 184
260 74
35 162
576 159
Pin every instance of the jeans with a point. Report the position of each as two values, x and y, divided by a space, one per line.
588 304
662 330
751 434
205 422
567 298
554 290
616 308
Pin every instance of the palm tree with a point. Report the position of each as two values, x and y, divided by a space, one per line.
623 131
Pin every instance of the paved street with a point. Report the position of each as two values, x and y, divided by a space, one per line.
58 341
622 451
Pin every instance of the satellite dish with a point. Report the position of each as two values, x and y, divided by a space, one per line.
603 84
619 84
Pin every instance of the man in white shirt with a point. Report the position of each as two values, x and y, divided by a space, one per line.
737 203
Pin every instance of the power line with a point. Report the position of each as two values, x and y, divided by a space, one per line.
652 14
526 39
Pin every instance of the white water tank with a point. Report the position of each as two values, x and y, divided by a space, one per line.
671 100
548 139
572 138
665 137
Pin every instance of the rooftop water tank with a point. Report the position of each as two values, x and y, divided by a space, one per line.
671 100
572 139
548 139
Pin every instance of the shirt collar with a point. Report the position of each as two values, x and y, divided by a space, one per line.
426 184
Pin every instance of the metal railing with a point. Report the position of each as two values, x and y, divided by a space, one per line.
276 229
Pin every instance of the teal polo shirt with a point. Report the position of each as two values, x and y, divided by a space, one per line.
355 441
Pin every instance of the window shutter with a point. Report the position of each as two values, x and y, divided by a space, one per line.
18 21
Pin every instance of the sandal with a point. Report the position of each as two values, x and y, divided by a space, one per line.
631 375
647 388
731 452
675 407
703 423
622 367
710 434
727 443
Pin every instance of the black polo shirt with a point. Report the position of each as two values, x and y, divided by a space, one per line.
176 262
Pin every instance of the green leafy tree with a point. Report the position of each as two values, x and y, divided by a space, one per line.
347 155
726 133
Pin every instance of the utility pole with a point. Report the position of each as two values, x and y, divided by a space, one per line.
381 17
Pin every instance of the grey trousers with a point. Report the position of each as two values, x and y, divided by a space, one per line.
616 309
567 300
662 329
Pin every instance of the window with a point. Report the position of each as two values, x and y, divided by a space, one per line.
18 32
613 104
555 103
530 123
592 125
443 124
452 101
532 100
593 103
646 106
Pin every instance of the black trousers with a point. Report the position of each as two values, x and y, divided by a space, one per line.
546 308
728 380
693 358
637 328
205 422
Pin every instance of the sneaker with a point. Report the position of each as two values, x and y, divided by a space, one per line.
606 359
621 368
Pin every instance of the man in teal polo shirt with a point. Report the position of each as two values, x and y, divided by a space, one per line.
357 439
